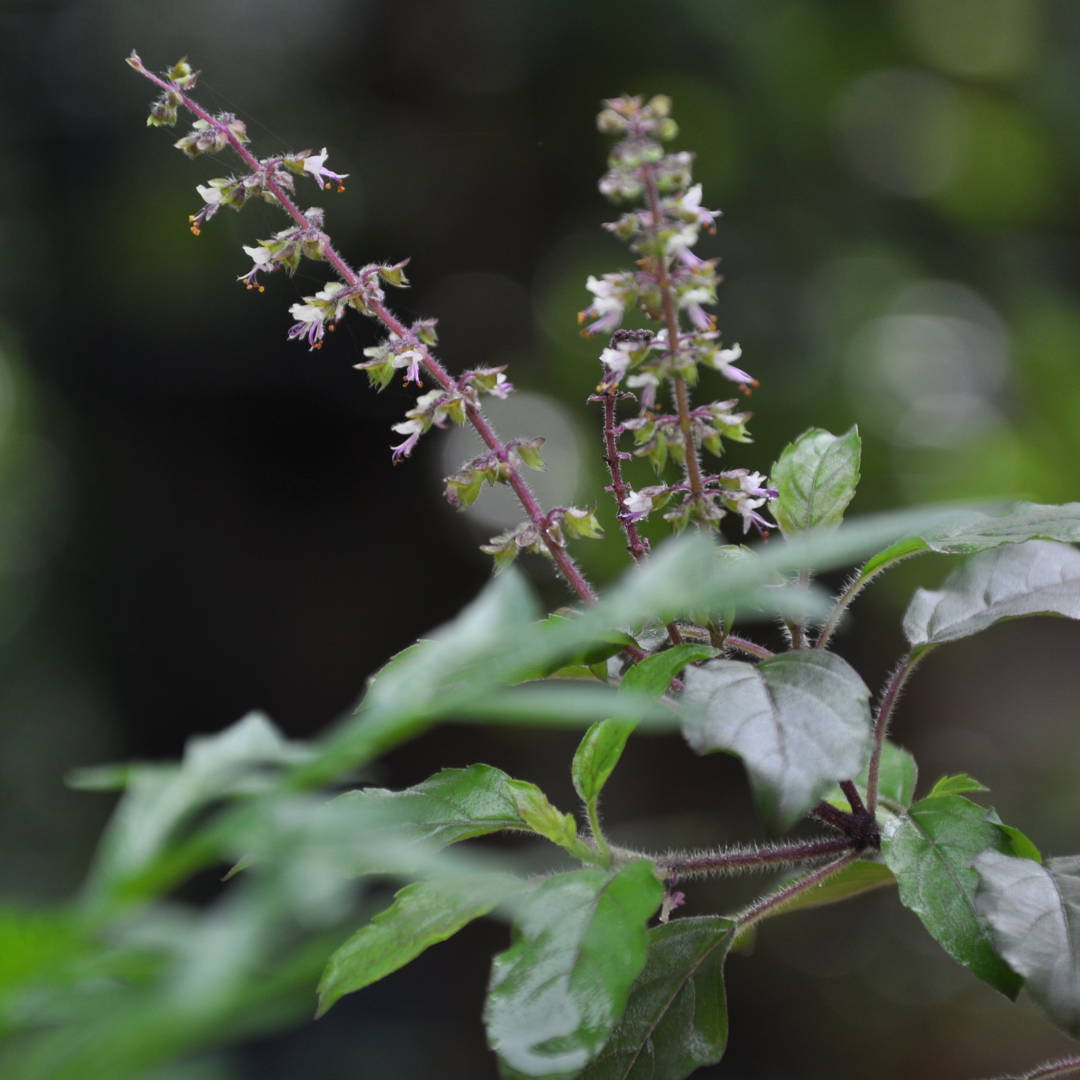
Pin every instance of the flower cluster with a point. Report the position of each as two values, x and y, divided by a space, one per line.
737 490
558 524
464 486
672 286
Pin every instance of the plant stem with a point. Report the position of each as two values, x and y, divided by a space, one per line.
563 560
843 602
853 797
752 858
637 547
751 648
1062 1067
881 723
770 904
671 322
598 833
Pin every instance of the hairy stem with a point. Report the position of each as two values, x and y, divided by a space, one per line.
740 860
858 582
635 544
563 560
771 904
881 722
1061 1067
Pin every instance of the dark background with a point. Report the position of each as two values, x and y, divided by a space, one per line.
200 518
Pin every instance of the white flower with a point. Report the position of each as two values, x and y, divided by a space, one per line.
315 164
259 255
616 360
209 194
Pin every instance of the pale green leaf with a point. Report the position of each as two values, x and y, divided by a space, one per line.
1034 916
816 477
1035 578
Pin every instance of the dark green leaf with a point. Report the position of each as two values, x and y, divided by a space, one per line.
1034 917
1035 578
676 1019
603 744
798 720
930 850
421 915
558 991
816 477
957 784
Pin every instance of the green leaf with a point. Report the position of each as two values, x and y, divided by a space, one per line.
816 477
798 720
451 806
421 915
897 776
558 991
603 744
957 784
676 1020
1017 842
1034 917
546 820
930 850
853 880
1035 578
652 677
970 531
160 799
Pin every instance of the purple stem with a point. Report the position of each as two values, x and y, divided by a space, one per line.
881 724
637 547
752 858
771 903
569 569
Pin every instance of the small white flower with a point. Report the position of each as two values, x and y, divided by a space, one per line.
259 255
616 360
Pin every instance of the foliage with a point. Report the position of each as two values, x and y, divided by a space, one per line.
126 978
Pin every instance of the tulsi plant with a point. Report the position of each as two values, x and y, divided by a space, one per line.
602 978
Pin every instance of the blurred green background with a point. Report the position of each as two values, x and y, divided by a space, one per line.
200 518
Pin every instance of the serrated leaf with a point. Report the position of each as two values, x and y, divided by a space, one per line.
897 777
451 806
603 744
1035 578
421 915
557 993
798 720
1034 916
539 815
956 784
930 850
676 1020
816 477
